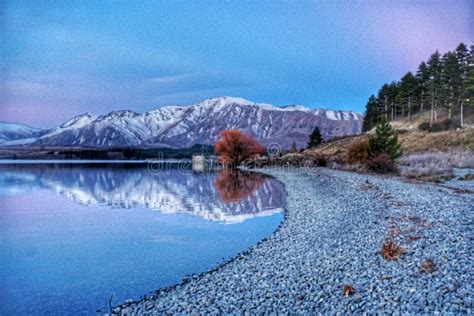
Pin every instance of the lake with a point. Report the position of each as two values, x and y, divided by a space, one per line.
74 236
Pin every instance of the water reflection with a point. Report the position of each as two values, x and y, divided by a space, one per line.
60 257
228 197
233 186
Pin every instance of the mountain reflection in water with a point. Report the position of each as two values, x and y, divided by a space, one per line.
228 197
65 251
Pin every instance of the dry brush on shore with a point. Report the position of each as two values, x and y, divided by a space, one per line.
436 166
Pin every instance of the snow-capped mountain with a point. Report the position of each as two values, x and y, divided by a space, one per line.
16 131
201 123
170 191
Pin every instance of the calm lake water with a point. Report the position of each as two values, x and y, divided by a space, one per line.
73 235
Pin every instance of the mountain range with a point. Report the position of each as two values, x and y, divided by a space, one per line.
184 126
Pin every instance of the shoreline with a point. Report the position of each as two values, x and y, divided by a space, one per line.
118 310
89 161
330 236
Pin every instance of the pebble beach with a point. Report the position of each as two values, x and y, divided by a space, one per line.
325 256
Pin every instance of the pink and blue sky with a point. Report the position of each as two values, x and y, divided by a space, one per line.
64 58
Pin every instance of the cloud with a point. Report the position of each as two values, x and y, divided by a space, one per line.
20 86
171 79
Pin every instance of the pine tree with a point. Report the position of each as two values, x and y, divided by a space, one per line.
385 141
438 82
315 138
392 98
463 57
465 61
372 114
467 97
434 67
406 93
423 77
383 100
450 81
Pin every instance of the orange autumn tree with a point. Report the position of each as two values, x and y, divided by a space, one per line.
234 147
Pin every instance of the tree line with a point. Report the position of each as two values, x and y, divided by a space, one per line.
442 82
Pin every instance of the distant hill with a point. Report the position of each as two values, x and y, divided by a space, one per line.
201 123
10 132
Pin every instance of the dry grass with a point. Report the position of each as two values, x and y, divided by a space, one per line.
347 167
416 120
451 159
435 166
416 141
348 290
338 147
428 266
431 173
454 147
391 250
429 156
419 118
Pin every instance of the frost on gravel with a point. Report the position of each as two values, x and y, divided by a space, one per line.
334 227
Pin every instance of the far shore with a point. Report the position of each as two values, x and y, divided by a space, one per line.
89 161
99 153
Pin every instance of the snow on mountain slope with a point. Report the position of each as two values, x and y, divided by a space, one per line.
16 131
73 124
201 123
118 128
268 123
171 192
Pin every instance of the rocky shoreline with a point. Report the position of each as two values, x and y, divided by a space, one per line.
325 256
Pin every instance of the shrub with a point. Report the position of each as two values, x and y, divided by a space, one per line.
428 266
382 164
348 290
441 126
235 147
321 160
425 126
391 250
385 141
358 152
